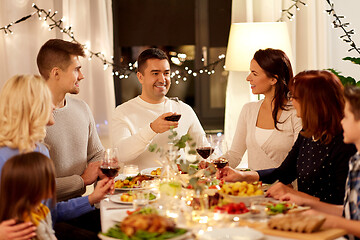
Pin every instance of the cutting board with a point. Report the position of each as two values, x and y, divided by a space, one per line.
323 234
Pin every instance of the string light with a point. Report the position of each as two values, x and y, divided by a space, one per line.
337 23
287 12
118 71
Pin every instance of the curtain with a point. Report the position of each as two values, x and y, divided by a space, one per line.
91 23
308 35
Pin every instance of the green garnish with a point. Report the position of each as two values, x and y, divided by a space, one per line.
116 232
146 210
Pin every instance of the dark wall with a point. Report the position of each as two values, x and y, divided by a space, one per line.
154 22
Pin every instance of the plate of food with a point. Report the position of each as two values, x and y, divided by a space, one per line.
145 224
127 198
232 210
155 171
127 183
274 208
242 192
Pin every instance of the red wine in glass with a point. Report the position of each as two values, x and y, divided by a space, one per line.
205 152
110 163
173 118
220 163
110 171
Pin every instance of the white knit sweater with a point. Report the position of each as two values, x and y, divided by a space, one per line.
273 152
131 133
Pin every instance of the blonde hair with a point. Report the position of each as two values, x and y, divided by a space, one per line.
25 108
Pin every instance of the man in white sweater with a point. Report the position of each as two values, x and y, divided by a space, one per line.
141 120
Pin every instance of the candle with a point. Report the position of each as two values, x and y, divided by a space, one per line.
131 170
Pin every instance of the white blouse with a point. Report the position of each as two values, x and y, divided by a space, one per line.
262 135
275 148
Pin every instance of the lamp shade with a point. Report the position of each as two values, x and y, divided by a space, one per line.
246 38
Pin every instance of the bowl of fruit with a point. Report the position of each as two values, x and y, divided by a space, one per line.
242 192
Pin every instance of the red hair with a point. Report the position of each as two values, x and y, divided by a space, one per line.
321 98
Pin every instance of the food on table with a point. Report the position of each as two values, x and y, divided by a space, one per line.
156 172
129 197
145 224
297 223
208 183
281 207
170 188
144 210
132 182
241 189
150 222
232 208
213 200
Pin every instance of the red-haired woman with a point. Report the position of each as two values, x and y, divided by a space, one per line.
319 157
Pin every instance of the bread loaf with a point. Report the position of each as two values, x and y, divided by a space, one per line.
297 223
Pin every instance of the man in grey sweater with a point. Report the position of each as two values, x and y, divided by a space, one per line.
73 142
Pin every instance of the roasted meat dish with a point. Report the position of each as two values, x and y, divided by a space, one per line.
150 222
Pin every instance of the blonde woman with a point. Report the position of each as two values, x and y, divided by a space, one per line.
25 110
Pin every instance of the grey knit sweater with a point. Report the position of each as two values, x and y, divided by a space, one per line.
73 142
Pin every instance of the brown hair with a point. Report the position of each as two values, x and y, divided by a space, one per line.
57 53
321 98
352 96
151 53
34 174
277 65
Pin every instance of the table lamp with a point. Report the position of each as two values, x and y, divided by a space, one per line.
246 38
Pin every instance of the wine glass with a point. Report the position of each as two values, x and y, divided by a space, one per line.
221 148
110 164
204 147
172 104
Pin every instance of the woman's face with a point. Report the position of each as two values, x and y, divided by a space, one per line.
259 82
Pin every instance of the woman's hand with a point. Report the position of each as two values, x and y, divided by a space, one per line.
9 230
293 198
229 174
278 190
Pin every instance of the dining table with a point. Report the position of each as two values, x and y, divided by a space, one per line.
110 210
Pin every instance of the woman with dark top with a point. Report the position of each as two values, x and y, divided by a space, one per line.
319 157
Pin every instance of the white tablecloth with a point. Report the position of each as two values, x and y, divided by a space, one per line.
108 209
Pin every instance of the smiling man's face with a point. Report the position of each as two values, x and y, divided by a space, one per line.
71 77
155 80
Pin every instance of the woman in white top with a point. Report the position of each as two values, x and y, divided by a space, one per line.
267 128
